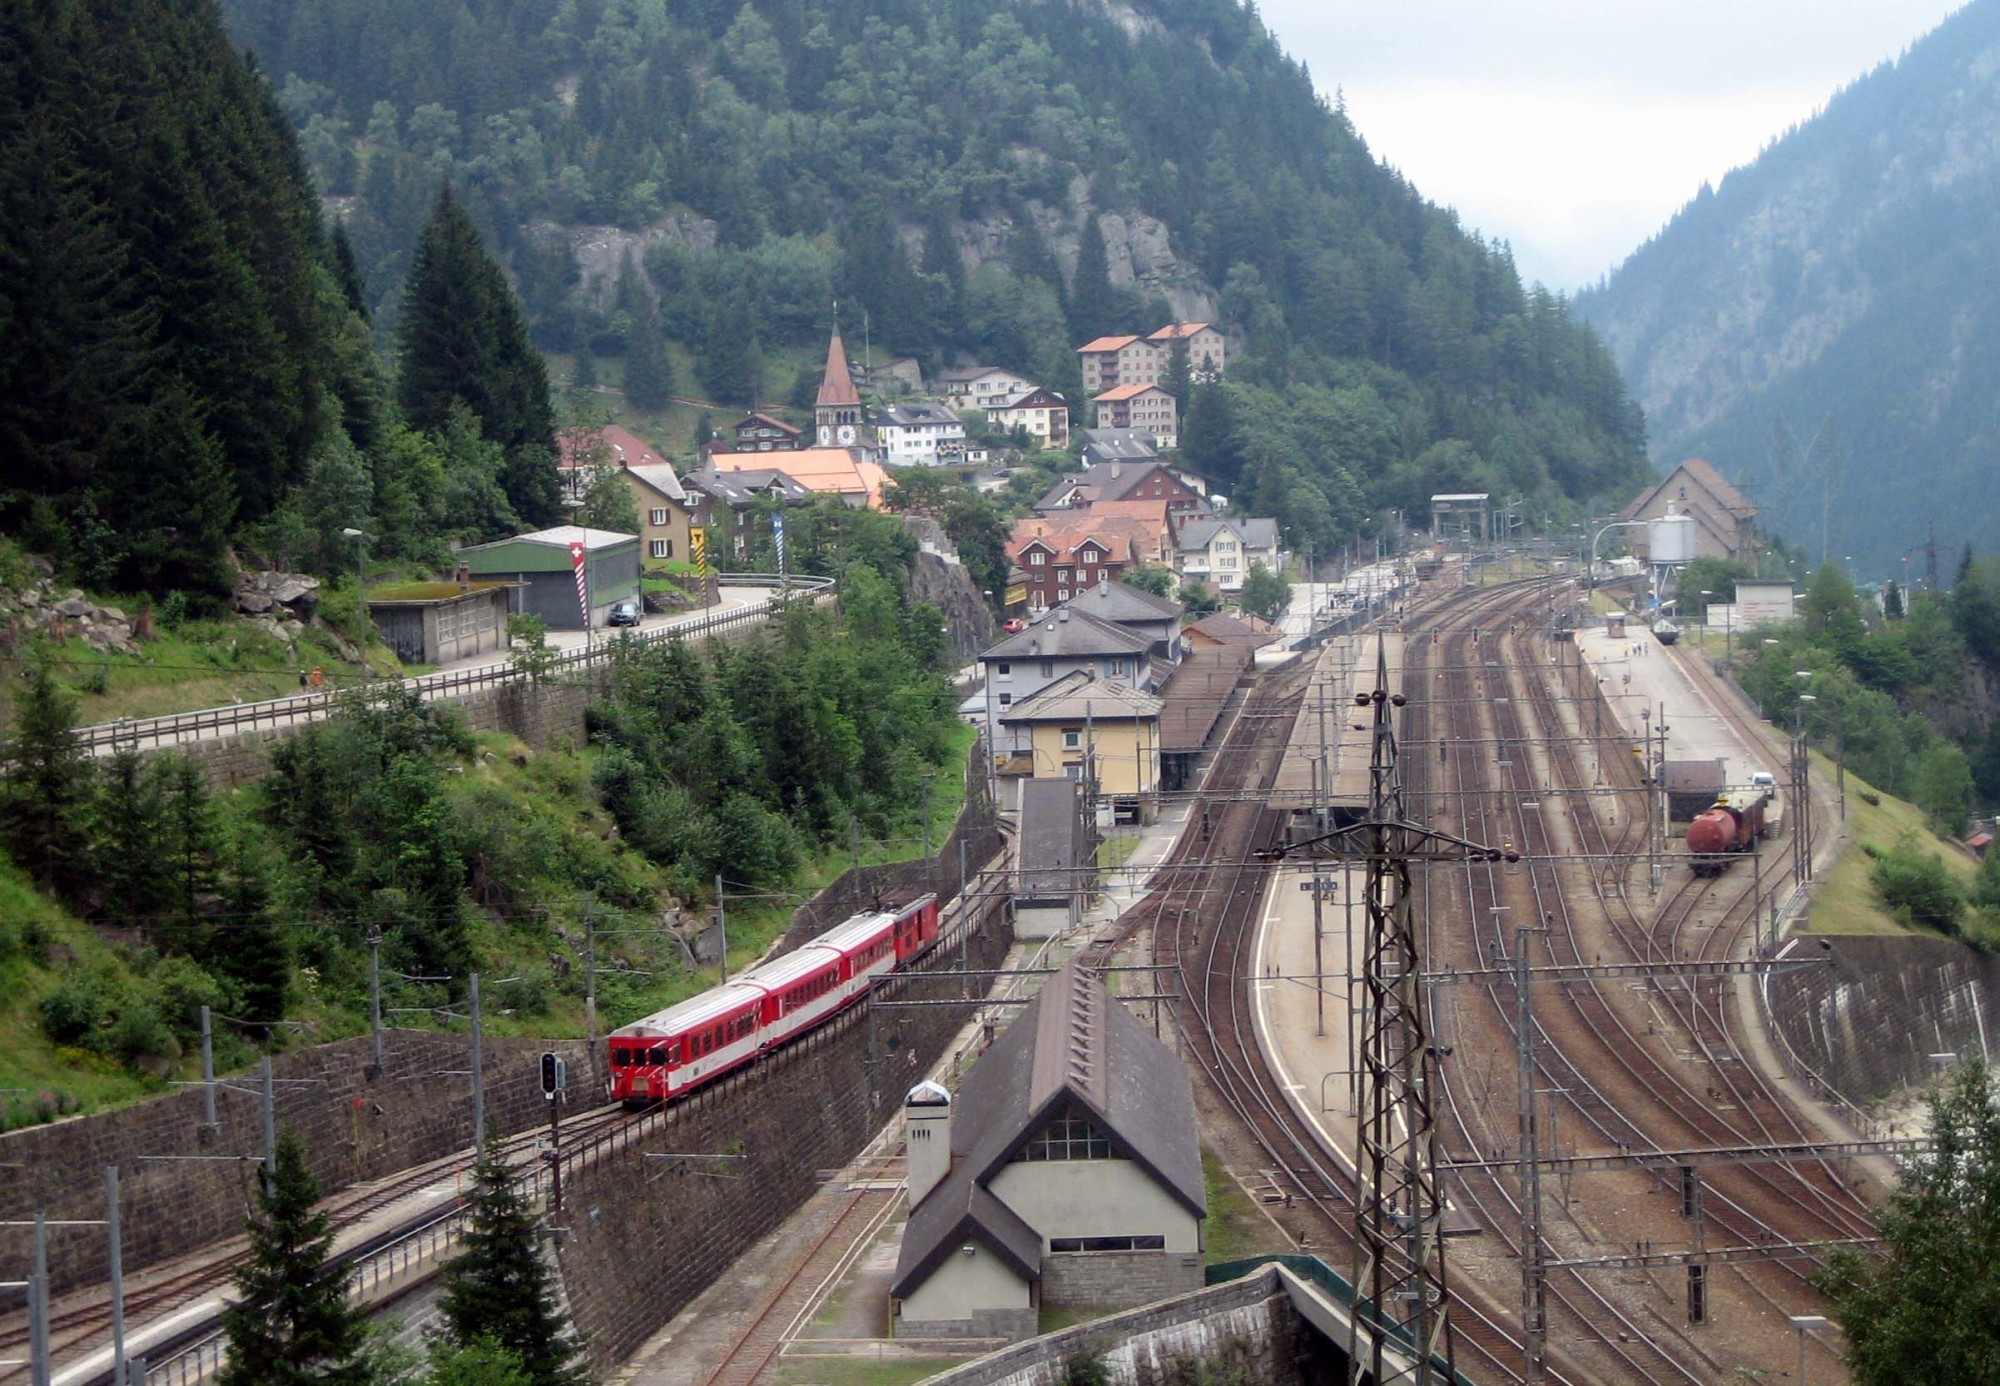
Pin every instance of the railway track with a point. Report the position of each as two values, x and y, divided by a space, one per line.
1620 1075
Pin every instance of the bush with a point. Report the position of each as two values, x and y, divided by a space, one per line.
525 997
1918 889
139 1033
180 987
70 1013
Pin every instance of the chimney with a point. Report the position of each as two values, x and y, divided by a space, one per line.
1062 613
1114 470
927 1137
464 578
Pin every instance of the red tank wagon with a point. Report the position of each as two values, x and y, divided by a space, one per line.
1731 827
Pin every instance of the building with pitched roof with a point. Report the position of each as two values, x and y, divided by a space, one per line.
1207 350
1725 522
1118 445
1066 1173
1133 360
1055 868
1040 413
1101 732
579 451
756 432
1141 406
919 433
724 504
978 387
1156 618
1056 645
1060 556
849 473
664 513
1218 549
1118 480
838 418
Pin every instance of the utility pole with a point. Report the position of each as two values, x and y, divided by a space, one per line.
374 1002
118 1372
208 1122
478 1076
1534 1270
270 1125
590 983
38 1306
722 910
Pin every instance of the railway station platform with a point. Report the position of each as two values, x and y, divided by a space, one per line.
1637 672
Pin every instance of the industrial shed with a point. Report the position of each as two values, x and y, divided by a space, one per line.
541 563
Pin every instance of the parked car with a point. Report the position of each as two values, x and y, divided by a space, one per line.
1013 625
626 613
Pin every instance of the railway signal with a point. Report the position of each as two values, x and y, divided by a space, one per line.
555 1076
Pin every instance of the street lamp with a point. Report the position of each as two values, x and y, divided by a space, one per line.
360 539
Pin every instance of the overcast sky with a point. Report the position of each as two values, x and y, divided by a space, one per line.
1574 128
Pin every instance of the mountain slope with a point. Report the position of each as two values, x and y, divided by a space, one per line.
1840 298
939 165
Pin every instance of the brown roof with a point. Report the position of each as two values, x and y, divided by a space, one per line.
1703 471
837 385
1075 1050
1176 329
1107 343
1194 696
620 448
768 422
1115 535
1224 629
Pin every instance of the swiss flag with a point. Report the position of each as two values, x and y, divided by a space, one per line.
576 553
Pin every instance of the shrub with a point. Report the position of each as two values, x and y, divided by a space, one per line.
180 987
139 1033
1918 889
70 1013
526 996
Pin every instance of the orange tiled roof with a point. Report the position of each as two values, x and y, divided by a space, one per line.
620 448
830 471
1119 393
1107 343
1175 329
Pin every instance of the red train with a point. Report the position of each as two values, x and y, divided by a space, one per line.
704 1037
1733 825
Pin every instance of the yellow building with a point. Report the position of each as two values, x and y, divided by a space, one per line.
663 508
1104 734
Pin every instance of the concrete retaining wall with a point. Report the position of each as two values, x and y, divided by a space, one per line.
1867 1024
1094 1279
1242 1331
355 1129
646 1237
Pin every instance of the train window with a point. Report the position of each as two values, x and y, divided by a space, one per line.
659 1055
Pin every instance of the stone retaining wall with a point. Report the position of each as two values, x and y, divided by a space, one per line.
645 1237
356 1128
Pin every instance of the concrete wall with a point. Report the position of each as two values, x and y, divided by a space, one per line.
1246 1328
1094 1198
355 1129
1867 1025
646 1238
969 1297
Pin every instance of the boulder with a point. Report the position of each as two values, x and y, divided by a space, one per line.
109 613
31 598
73 605
253 603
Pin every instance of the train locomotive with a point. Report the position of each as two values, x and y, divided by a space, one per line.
1731 826
675 1050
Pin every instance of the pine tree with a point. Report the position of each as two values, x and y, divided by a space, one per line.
462 338
293 1323
179 499
254 957
346 271
1093 305
1892 603
1178 379
583 374
649 376
730 366
127 839
499 1289
45 792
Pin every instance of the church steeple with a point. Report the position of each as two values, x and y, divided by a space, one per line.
838 419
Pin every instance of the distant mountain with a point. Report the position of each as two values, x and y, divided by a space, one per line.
1840 299
998 181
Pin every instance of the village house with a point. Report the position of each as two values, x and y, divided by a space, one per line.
1219 551
581 451
1044 415
1141 408
1118 445
762 433
1157 618
1206 348
843 472
725 504
664 513
919 433
982 387
1121 481
1100 732
1058 560
1057 644
1066 1174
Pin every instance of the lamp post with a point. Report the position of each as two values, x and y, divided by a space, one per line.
1805 1323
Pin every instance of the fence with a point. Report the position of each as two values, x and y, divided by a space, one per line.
302 709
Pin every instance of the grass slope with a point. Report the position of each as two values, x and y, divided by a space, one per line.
1846 902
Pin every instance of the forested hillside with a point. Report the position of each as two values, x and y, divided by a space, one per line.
989 182
1838 302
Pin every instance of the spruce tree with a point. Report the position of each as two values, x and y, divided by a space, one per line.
500 1290
1093 305
45 789
293 1323
346 271
649 376
462 338
127 838
730 365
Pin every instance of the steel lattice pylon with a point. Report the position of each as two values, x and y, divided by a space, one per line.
1401 1328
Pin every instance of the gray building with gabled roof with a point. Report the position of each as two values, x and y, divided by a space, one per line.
1066 1173
1058 644
1054 866
1136 609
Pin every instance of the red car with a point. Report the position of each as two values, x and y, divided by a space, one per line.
1013 625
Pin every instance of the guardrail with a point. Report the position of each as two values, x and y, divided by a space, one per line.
304 708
